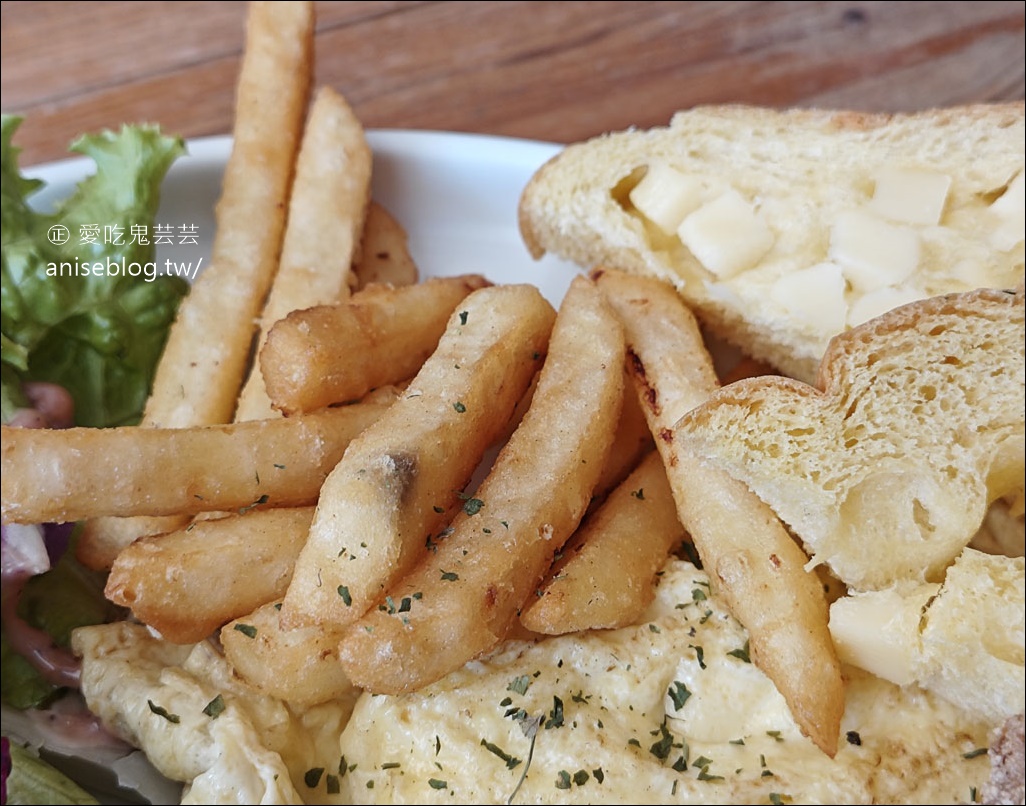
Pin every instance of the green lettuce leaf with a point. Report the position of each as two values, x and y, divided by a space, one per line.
59 601
97 335
32 780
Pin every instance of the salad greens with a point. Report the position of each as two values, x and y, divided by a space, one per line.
32 780
98 336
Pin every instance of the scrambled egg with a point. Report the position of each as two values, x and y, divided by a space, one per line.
199 724
669 710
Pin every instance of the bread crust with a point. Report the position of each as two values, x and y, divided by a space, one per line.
811 164
886 466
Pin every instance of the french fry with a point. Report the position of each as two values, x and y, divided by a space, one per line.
396 483
606 574
186 584
77 473
201 370
759 569
382 335
631 441
299 666
326 214
384 251
464 597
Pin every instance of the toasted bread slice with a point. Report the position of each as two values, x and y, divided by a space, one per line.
784 228
886 468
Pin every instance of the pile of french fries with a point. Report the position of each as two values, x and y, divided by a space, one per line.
344 543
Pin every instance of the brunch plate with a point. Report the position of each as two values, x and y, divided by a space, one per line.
455 194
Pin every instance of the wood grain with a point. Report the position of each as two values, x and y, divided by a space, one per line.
557 71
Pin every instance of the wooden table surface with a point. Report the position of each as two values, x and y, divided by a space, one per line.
558 71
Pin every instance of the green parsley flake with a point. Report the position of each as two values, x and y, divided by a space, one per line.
639 493
742 653
435 783
581 777
679 694
215 707
246 629
463 317
312 777
473 505
661 749
555 719
700 654
511 761
562 780
347 597
519 685
460 408
261 500
332 785
979 751
449 576
600 776
174 719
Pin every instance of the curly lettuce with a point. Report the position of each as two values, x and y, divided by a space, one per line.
99 336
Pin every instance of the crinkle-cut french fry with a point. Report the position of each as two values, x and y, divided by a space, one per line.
399 481
757 566
464 597
605 576
187 583
77 473
381 335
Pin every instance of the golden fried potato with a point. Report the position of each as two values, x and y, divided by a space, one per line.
631 441
759 569
605 576
326 214
464 597
299 666
78 473
186 584
397 482
201 370
382 335
200 373
384 251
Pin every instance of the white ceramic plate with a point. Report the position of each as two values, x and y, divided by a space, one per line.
455 194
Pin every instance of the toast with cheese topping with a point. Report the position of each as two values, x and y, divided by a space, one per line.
783 228
886 467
